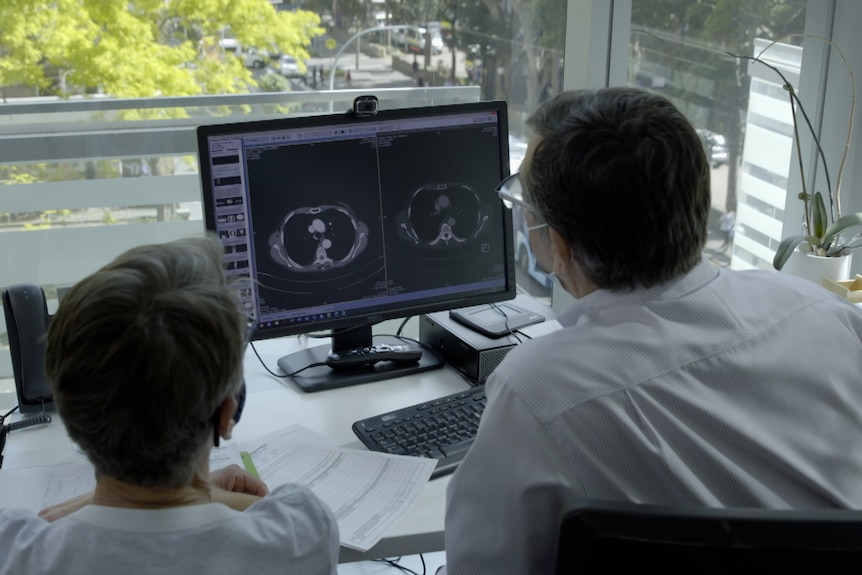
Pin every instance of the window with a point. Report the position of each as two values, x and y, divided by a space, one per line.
686 52
88 176
89 171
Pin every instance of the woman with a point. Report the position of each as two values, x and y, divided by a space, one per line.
145 362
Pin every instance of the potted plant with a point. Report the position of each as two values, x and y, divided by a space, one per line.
823 228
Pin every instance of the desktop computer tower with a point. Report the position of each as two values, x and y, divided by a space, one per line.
474 355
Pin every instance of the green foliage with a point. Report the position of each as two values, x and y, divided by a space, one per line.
43 172
824 239
821 238
47 219
691 39
406 11
551 19
108 217
143 48
273 82
819 219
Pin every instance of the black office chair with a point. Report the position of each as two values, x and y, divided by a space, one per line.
613 537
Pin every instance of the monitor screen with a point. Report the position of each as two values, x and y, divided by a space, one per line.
338 222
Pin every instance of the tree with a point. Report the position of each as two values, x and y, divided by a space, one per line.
680 48
409 11
523 38
139 48
542 26
143 48
733 25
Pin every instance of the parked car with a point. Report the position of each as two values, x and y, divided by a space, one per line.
435 29
715 146
289 67
254 59
228 41
412 40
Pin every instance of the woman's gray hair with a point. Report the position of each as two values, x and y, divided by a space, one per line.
141 354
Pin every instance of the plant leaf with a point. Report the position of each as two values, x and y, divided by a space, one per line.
842 224
851 245
785 248
819 218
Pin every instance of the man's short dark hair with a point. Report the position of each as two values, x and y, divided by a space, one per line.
621 174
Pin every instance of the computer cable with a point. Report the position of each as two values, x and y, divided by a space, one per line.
401 327
339 331
404 338
509 330
326 335
7 414
395 563
42 418
282 375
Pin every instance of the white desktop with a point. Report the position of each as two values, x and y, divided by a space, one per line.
273 404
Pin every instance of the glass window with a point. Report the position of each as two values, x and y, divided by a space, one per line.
506 50
98 153
686 51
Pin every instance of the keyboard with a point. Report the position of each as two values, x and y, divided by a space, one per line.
443 429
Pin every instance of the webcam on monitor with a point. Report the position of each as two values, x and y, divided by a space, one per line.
365 106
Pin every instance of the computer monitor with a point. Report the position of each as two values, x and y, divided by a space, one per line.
337 222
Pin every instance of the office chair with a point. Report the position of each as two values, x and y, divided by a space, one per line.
613 537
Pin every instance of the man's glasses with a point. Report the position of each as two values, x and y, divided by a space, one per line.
511 192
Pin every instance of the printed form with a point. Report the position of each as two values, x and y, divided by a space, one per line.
368 491
36 488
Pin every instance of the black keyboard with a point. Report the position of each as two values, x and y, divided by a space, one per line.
443 428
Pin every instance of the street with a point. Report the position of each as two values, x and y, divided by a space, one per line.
371 71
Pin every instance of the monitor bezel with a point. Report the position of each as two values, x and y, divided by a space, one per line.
204 132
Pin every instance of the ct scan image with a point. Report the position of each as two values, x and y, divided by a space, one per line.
441 216
319 238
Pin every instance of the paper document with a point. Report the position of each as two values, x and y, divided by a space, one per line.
36 488
367 491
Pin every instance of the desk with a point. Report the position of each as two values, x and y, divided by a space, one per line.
274 403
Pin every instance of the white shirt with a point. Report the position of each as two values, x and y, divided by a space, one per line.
288 531
720 388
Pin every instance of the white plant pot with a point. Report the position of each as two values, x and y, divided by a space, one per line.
815 268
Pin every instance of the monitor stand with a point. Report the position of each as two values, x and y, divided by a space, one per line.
323 377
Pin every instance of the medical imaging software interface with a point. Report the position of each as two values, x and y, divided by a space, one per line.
348 219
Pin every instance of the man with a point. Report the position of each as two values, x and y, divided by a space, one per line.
672 381
144 358
726 223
